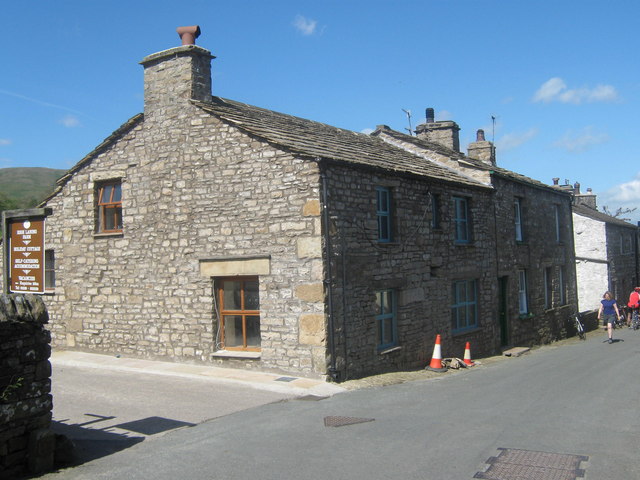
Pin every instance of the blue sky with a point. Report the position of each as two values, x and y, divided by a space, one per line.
561 78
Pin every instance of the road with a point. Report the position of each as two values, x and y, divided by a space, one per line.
571 401
104 411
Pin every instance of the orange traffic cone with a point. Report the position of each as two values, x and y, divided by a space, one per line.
436 359
467 355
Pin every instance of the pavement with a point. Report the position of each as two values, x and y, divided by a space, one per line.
290 385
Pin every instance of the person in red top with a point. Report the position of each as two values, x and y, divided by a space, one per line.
633 304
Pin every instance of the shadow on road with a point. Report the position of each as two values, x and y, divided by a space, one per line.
90 443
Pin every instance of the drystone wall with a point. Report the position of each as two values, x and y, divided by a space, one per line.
27 444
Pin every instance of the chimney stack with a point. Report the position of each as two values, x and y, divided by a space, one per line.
445 133
482 150
174 77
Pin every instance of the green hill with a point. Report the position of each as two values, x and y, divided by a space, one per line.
26 187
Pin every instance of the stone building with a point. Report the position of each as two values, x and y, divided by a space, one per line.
207 230
534 273
606 252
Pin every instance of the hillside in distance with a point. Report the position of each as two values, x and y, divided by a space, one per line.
26 187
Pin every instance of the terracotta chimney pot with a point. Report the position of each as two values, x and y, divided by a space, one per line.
480 136
189 34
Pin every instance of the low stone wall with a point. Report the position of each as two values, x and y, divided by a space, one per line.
27 444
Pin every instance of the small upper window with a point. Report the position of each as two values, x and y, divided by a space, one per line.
556 211
383 212
517 213
461 219
110 207
435 210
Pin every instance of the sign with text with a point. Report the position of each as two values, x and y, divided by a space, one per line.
26 255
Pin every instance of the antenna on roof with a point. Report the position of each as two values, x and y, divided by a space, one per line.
408 112
493 129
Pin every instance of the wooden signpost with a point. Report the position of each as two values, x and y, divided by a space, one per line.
25 250
26 254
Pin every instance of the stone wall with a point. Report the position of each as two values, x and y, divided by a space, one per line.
420 265
26 442
621 251
193 190
538 252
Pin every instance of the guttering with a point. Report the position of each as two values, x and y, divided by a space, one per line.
333 371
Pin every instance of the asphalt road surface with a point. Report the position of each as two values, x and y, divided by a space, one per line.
574 402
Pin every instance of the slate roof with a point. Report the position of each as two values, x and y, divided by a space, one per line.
319 140
479 164
600 216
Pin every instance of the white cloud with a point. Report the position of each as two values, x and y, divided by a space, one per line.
69 121
628 192
581 141
304 25
513 140
625 196
38 102
556 90
367 131
4 142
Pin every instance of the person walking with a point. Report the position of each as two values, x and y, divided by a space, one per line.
633 304
609 311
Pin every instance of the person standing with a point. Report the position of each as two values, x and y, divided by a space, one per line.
609 311
633 304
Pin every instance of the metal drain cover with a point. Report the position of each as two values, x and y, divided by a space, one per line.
342 421
512 464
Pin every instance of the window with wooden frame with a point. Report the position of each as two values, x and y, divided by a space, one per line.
238 300
110 207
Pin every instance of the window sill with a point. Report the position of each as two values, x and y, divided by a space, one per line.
108 234
525 316
235 354
459 333
388 350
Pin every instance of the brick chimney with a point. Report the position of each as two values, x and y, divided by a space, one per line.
445 133
588 199
482 150
175 76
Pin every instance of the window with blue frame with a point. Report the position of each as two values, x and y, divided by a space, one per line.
461 220
383 212
386 320
435 210
464 309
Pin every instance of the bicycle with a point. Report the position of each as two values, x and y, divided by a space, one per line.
580 329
